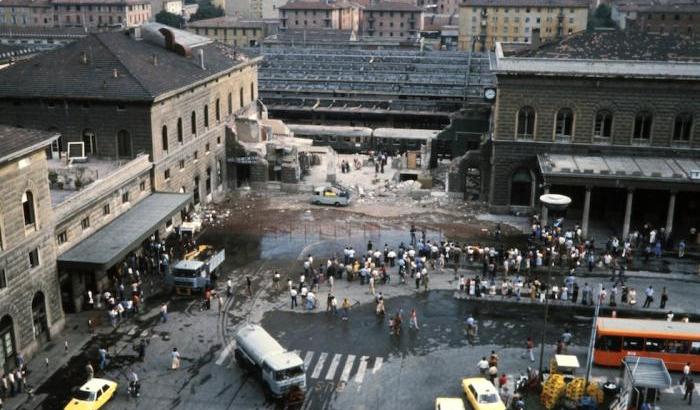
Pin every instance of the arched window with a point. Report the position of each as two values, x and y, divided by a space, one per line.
89 140
526 123
682 127
179 130
521 188
123 144
206 116
217 111
252 92
207 182
564 124
642 125
193 123
28 209
603 124
164 137
230 104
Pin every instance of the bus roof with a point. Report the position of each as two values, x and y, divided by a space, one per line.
649 328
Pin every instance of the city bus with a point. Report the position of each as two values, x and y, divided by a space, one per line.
676 343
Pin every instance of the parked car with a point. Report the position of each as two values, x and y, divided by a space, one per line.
449 403
482 394
330 195
92 395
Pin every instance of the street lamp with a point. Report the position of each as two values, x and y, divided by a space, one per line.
556 204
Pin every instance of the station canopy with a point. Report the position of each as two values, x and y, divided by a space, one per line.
111 243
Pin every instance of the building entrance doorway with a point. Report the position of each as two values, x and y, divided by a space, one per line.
41 325
7 345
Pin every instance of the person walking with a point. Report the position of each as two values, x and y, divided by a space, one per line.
142 350
175 359
164 312
249 286
220 301
664 298
650 297
685 374
413 321
493 374
102 353
530 346
689 388
346 308
483 366
371 285
293 295
418 274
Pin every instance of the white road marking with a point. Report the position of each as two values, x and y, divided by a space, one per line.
377 365
361 370
319 366
307 359
330 375
224 353
345 375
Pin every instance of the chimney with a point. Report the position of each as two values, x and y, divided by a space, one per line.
155 59
115 73
201 59
83 58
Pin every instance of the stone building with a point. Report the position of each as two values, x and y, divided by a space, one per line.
654 16
608 118
320 15
392 19
230 30
161 91
92 14
30 301
484 22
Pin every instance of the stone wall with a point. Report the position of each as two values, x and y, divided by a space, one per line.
24 283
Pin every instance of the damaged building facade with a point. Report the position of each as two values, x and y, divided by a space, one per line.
608 118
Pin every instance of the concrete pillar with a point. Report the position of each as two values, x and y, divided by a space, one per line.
628 214
671 211
586 212
545 212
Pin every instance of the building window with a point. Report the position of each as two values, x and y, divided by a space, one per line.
230 104
603 124
526 123
206 147
217 111
193 123
642 125
28 208
182 164
3 279
164 137
196 155
166 174
521 188
121 107
105 209
34 258
89 141
125 197
85 223
62 237
564 123
206 116
240 95
142 186
218 140
682 127
179 130
207 182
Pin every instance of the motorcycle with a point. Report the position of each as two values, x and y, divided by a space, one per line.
134 389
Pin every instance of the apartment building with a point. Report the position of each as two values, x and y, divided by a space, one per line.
392 19
230 30
484 22
320 15
93 14
654 16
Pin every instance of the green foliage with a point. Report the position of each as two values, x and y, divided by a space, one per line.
601 18
169 19
207 10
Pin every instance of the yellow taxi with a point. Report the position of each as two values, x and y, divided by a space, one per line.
92 395
481 394
449 403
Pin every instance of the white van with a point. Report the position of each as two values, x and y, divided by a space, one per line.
329 195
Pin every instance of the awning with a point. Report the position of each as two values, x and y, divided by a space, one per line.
110 244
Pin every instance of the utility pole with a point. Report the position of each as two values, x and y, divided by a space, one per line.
591 342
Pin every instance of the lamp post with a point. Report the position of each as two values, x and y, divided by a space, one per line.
556 205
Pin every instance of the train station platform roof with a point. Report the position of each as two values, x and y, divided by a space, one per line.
111 243
610 170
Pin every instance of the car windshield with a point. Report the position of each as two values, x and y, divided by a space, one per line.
488 398
289 373
84 395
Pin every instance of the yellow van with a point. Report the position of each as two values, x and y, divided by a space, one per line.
482 394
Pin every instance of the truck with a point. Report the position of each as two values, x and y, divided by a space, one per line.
196 271
282 372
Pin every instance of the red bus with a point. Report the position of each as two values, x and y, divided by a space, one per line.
676 343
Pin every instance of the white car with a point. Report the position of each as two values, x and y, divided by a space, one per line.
329 195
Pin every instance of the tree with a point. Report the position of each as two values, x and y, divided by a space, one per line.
169 19
207 10
601 17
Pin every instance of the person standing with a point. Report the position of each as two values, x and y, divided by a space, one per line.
413 321
164 312
371 285
220 301
650 296
686 373
493 374
664 298
276 280
175 359
530 346
102 353
249 285
483 366
293 295
90 372
418 274
689 388
346 308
